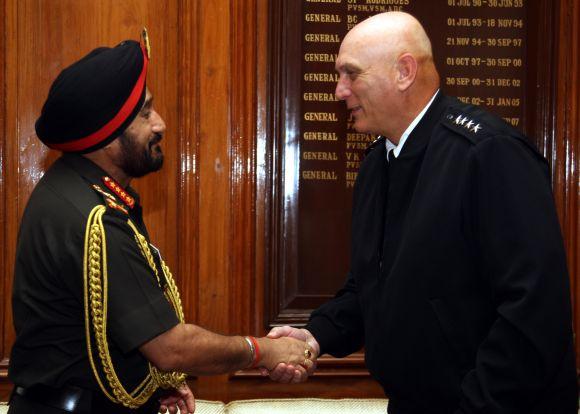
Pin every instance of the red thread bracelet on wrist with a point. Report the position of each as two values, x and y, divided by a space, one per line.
257 356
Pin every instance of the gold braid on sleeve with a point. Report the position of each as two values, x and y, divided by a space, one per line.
95 281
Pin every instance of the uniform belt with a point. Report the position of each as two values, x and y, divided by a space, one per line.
68 398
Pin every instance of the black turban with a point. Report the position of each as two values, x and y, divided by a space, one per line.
94 100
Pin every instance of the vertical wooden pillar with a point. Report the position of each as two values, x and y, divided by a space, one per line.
188 136
566 143
3 240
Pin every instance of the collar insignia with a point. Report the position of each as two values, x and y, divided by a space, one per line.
119 192
103 192
116 206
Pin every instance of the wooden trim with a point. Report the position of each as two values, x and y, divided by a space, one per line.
271 169
5 384
9 160
566 142
262 165
4 367
244 388
188 181
3 131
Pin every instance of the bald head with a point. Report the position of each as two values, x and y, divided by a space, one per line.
392 33
387 61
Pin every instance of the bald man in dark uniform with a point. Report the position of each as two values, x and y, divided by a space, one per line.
458 287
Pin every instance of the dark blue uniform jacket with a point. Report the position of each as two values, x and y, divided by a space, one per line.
458 287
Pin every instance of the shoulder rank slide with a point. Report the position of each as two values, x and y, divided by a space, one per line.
464 125
119 192
464 122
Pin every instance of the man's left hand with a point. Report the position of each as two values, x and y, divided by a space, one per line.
181 398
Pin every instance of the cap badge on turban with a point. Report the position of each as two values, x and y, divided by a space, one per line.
145 38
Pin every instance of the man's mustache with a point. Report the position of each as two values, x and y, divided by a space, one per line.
156 139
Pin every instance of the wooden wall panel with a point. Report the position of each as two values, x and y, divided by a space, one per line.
214 164
208 208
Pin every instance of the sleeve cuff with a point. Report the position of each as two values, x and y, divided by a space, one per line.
324 332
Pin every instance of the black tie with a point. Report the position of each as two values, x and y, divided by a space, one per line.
385 190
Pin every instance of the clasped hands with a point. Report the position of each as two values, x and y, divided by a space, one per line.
293 356
287 355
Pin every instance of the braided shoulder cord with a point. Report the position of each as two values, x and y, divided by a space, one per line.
163 379
175 299
95 280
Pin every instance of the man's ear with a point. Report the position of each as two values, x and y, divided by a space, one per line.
406 71
113 145
112 148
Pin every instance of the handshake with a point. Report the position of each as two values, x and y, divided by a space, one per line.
286 354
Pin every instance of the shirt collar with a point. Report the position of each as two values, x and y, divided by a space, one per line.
398 148
92 172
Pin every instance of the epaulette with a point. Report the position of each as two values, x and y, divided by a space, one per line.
380 140
476 124
110 200
470 126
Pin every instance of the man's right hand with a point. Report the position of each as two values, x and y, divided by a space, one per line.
286 373
286 351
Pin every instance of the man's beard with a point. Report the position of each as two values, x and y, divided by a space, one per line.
137 160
